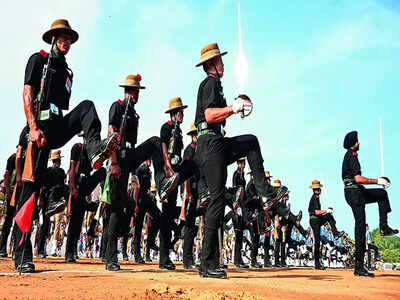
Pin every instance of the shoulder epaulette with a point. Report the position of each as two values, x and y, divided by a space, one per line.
170 123
79 145
137 116
14 155
120 102
193 146
43 53
355 153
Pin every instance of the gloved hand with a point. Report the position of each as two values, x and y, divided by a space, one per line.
384 181
247 105
329 210
237 105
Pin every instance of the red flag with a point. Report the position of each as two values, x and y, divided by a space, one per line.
24 217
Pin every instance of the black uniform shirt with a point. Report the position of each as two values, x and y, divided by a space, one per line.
210 95
61 81
351 166
11 164
116 114
314 205
238 179
166 135
56 176
189 154
144 175
79 154
250 193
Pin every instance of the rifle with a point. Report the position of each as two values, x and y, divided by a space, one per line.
31 166
174 159
123 127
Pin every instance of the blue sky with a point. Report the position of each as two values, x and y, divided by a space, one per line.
317 69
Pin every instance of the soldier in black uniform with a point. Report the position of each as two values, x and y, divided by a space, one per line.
146 205
318 218
81 184
172 146
49 129
239 183
357 196
216 152
191 199
9 183
55 193
13 179
128 159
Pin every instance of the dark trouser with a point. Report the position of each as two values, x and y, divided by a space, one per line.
169 213
43 234
190 231
6 228
255 240
316 222
357 198
79 205
152 231
57 132
376 253
146 205
104 235
215 153
267 246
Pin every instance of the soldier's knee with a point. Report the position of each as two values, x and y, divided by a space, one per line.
87 104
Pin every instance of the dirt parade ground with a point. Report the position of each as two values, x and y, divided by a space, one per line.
88 279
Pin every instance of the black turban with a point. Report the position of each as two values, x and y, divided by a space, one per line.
350 139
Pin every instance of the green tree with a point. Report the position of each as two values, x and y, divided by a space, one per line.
389 247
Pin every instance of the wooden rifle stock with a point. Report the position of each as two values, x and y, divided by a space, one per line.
14 196
27 174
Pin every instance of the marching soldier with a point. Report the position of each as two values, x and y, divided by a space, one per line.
56 195
318 217
9 183
267 233
216 152
172 146
123 118
239 183
81 185
49 129
357 196
190 207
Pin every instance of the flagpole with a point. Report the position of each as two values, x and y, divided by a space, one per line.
381 148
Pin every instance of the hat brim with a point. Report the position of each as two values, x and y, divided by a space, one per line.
203 61
191 132
170 110
132 86
48 35
316 186
56 158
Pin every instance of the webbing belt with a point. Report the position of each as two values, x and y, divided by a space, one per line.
206 131
350 184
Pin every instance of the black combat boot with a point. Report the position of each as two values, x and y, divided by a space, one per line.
98 151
